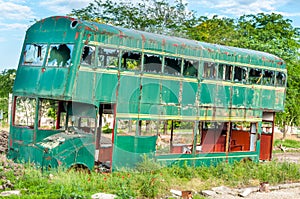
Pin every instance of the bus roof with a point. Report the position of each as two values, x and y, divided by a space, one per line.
170 44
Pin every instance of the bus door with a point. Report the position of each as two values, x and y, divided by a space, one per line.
266 140
104 136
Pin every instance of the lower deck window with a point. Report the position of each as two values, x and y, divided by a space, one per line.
24 112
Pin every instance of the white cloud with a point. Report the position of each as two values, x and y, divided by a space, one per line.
13 26
63 6
241 7
12 10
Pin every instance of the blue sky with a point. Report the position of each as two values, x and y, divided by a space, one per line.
17 15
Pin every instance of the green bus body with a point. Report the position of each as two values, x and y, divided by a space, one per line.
152 87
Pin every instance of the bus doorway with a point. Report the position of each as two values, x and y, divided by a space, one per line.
266 139
105 135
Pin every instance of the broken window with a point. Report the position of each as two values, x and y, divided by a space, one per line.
268 77
108 57
152 63
255 76
88 56
209 71
213 137
131 60
240 139
34 54
81 117
240 74
225 72
24 112
127 127
172 65
190 68
280 79
60 55
175 137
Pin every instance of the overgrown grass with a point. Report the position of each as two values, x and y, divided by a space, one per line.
150 180
288 143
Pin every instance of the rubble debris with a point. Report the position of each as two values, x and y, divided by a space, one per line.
9 193
103 196
3 141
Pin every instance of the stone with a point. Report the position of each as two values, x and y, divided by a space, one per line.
103 196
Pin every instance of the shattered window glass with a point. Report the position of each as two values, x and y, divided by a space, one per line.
60 55
34 54
280 79
210 70
131 60
24 115
108 57
190 68
88 56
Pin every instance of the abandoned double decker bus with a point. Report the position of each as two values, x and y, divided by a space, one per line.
89 94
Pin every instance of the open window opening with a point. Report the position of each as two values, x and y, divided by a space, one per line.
210 70
88 56
240 74
190 68
280 79
172 66
152 63
255 76
268 77
24 112
108 57
34 54
225 72
243 136
60 55
104 135
175 137
131 60
213 137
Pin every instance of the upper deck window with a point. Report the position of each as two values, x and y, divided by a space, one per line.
131 60
225 72
255 76
34 54
108 57
60 55
268 77
210 71
240 74
280 79
190 68
152 63
88 56
172 65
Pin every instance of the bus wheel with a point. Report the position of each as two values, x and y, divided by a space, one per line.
80 168
245 160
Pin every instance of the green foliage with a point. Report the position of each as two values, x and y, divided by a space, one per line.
288 143
157 16
7 78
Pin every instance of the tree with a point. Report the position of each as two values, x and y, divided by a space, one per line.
157 16
7 78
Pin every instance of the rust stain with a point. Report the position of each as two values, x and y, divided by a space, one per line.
76 35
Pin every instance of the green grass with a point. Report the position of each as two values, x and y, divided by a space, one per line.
288 143
150 180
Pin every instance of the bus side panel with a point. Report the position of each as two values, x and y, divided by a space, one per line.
26 79
170 91
253 98
268 99
223 96
53 81
150 91
106 86
83 89
189 91
279 99
207 94
128 95
129 150
238 96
